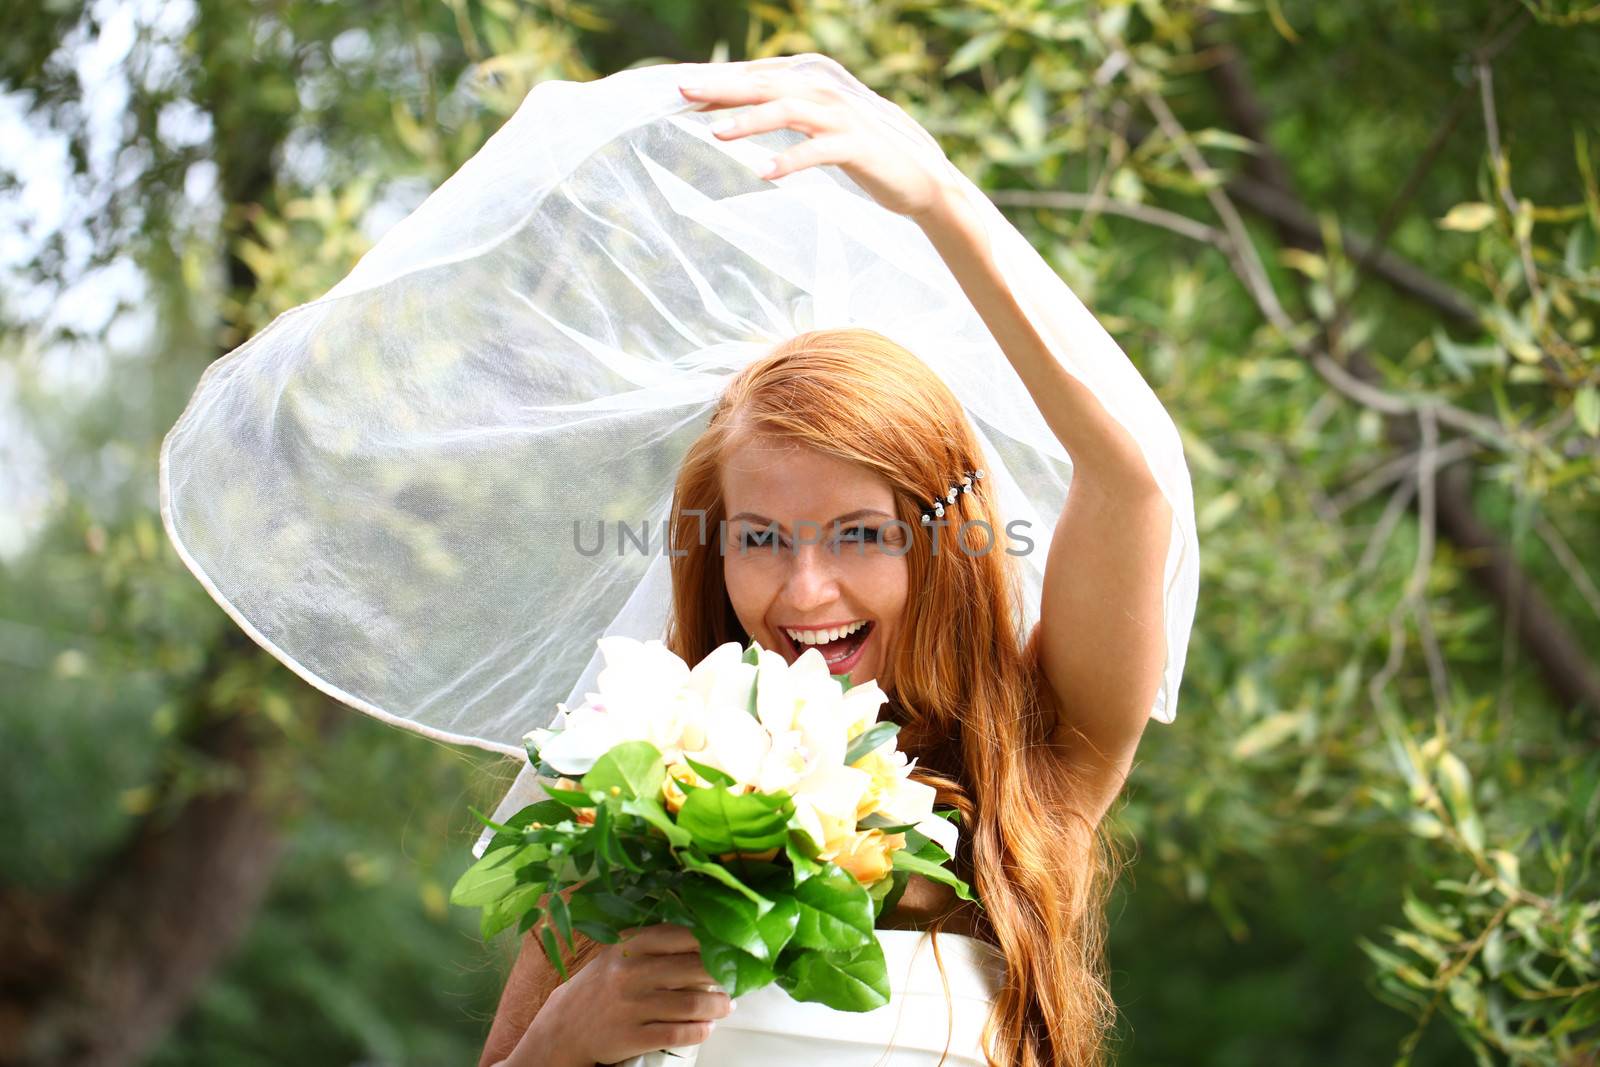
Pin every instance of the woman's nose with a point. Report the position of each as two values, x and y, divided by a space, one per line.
812 580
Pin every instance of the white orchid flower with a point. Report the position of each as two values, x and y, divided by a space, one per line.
907 801
733 742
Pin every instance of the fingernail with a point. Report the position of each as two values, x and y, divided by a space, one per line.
767 169
722 126
690 87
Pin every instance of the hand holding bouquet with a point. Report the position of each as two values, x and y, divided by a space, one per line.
760 804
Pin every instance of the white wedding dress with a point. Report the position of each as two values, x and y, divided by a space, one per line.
771 1029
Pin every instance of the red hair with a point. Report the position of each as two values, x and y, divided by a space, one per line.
966 689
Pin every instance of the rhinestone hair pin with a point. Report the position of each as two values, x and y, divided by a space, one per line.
935 510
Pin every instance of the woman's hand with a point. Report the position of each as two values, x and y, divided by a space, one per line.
841 128
647 992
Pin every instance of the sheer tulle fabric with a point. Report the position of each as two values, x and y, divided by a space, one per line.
394 488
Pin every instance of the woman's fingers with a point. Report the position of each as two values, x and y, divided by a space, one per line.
676 1035
682 970
720 89
806 116
689 1005
657 940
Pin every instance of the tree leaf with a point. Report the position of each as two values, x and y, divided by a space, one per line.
1468 217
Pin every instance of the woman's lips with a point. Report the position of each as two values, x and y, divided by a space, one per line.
793 651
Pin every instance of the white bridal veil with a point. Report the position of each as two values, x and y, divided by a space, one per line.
396 489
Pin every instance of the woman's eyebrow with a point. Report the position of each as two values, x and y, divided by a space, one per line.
762 520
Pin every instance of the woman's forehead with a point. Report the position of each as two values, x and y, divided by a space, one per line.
801 482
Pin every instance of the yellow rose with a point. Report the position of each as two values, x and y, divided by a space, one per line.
884 776
671 792
868 854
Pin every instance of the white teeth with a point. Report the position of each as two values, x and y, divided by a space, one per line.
822 637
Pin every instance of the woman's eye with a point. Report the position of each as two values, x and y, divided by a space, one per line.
756 540
863 534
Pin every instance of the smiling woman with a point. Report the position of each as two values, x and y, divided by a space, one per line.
380 489
832 583
820 458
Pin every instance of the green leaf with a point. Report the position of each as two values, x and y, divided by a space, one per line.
1469 217
1586 406
594 904
777 924
870 739
1455 782
607 845
1427 920
714 775
560 916
836 912
718 872
569 798
803 854
722 822
547 812
974 51
905 861
726 915
1269 733
493 876
1494 952
633 767
887 893
752 655
501 827
844 681
925 848
652 811
846 981
517 905
547 937
735 971
597 931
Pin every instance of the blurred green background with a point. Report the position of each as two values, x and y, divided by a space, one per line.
1353 248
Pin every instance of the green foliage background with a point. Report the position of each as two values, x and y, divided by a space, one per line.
1370 834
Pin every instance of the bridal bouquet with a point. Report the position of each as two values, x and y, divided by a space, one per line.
759 803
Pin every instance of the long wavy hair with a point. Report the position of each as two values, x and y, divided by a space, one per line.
963 683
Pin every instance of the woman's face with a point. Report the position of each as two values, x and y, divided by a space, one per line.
808 551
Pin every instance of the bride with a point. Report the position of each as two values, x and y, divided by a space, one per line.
837 487
378 487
